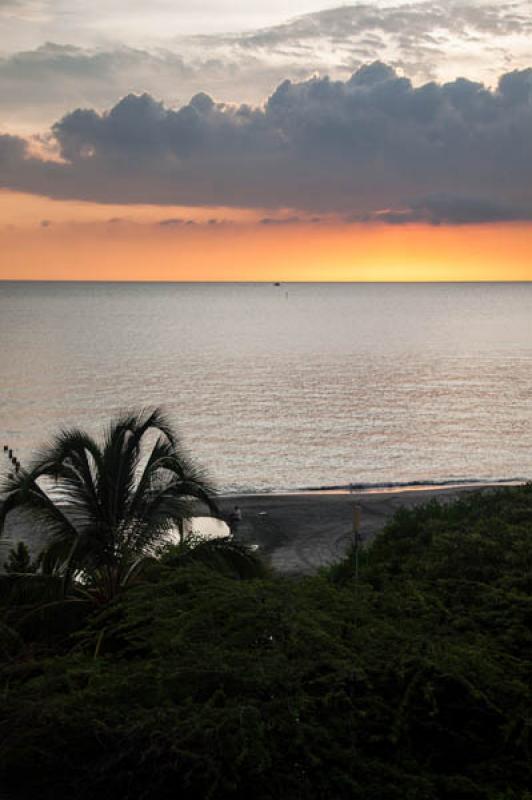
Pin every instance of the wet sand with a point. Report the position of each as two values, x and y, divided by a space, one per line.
299 533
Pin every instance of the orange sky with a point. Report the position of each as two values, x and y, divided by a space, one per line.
79 243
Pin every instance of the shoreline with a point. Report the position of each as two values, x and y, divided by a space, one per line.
382 488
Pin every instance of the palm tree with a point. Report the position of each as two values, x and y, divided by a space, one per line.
107 506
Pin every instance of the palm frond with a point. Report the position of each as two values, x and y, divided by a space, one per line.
74 462
161 451
122 454
106 507
21 490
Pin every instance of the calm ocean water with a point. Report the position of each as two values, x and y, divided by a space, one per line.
283 387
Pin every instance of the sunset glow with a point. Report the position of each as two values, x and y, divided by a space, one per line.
51 240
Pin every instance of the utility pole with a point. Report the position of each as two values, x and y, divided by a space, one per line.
357 514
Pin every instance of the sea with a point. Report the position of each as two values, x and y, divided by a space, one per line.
279 388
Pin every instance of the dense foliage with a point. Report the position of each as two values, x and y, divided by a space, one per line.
411 682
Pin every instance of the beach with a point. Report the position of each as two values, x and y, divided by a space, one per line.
299 533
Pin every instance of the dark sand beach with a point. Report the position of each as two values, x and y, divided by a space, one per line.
301 532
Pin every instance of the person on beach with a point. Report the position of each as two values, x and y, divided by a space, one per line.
235 518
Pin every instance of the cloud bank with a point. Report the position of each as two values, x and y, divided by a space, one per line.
372 147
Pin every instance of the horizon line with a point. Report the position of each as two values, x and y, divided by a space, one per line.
255 282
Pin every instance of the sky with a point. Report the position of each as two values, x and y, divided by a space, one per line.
252 140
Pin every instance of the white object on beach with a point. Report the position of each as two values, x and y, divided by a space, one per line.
206 527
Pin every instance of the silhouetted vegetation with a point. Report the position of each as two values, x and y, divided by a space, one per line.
19 561
105 507
213 679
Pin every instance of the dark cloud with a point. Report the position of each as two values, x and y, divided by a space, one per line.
171 222
371 142
174 222
12 150
280 220
292 220
447 210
